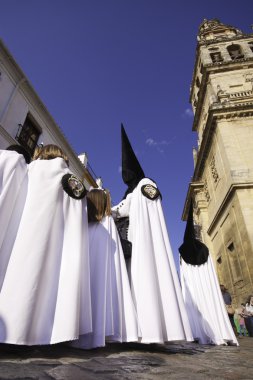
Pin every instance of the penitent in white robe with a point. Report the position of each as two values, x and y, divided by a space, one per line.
205 305
113 312
13 190
154 282
48 271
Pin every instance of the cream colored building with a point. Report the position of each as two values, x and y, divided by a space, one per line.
222 183
24 119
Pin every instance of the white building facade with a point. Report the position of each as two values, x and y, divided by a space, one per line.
25 120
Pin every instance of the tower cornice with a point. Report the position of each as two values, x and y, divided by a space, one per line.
218 112
218 67
224 39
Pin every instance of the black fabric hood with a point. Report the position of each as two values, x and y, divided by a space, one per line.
192 250
132 171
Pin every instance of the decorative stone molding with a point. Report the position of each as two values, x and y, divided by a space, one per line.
198 230
206 191
214 171
248 77
222 95
236 113
241 95
206 42
225 63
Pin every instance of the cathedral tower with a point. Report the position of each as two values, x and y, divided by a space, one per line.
222 183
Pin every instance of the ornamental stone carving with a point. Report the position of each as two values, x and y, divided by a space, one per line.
206 191
214 171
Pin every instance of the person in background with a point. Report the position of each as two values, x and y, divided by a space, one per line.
239 321
247 313
226 295
228 302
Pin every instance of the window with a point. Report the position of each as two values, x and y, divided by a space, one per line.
219 267
216 57
235 52
28 135
231 247
219 260
234 263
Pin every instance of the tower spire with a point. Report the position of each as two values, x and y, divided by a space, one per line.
215 30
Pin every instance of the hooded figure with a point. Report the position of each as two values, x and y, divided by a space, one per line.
203 299
153 277
45 296
113 312
13 189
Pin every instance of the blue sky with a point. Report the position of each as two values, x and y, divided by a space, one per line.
97 63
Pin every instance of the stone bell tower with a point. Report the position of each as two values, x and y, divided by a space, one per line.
222 183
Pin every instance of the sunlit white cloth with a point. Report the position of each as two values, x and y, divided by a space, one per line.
48 271
113 312
154 282
204 304
13 190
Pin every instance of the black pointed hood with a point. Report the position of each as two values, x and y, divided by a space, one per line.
192 250
132 171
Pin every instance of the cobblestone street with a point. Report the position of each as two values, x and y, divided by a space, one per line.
128 361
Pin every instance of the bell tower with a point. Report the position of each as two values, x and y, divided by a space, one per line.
222 183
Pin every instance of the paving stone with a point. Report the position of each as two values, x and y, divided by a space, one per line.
23 371
70 372
178 361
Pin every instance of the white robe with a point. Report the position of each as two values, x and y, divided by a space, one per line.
154 282
13 190
48 271
205 305
113 312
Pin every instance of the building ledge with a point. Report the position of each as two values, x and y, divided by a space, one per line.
230 193
193 186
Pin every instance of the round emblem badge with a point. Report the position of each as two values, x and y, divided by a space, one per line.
150 191
73 186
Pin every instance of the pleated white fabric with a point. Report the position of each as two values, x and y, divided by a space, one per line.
154 282
113 312
13 190
48 271
204 303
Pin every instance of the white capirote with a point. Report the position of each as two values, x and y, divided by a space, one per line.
45 296
13 190
113 312
153 277
205 305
